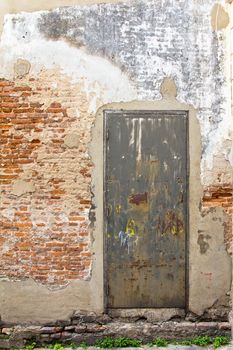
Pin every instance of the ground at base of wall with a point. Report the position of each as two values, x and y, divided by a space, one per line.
90 332
169 347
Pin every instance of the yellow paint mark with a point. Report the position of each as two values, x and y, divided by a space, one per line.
173 230
130 228
118 208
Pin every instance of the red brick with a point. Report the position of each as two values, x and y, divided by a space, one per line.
40 247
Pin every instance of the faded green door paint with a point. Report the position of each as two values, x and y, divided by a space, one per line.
146 208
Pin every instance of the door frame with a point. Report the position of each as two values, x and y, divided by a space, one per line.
143 112
94 286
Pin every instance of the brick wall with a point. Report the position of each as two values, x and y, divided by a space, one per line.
44 232
73 69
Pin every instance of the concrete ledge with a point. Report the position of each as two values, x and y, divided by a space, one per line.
151 315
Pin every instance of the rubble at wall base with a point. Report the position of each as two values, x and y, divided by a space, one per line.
90 327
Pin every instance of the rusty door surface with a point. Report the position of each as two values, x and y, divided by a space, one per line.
145 208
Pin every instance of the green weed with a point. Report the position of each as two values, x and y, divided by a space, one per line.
199 341
83 345
58 346
105 343
30 346
109 343
159 342
202 341
220 340
117 343
182 342
125 342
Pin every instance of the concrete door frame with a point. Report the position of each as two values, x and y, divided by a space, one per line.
168 102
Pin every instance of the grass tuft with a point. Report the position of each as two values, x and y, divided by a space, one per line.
117 343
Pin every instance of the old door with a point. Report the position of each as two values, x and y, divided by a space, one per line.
146 208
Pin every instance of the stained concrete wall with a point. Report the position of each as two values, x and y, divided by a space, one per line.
68 64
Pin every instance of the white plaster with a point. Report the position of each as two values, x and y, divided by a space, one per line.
99 76
105 82
230 156
204 97
8 213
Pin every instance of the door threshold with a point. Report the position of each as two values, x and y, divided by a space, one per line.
149 314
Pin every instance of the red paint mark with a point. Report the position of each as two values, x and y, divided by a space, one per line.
138 198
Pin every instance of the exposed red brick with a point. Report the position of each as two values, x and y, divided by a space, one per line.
54 250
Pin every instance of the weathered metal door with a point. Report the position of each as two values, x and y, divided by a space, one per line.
146 208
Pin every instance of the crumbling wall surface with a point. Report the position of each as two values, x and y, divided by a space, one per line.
58 68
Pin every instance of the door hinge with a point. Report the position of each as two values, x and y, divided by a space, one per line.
107 134
108 211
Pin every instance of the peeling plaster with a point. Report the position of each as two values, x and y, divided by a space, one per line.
71 140
21 68
115 85
137 55
168 88
22 187
68 164
219 17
